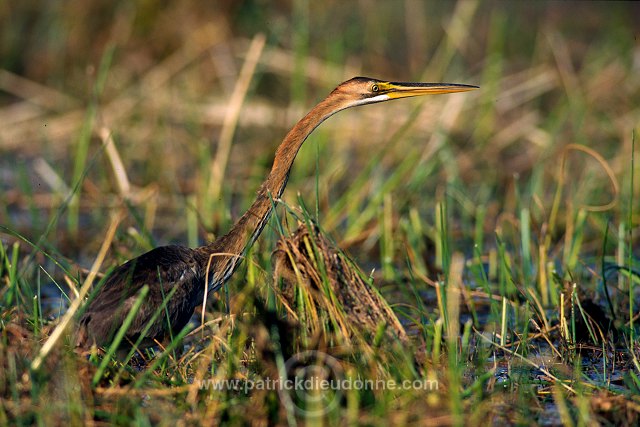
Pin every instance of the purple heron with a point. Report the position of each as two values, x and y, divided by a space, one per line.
188 271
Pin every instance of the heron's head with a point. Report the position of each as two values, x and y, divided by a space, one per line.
365 90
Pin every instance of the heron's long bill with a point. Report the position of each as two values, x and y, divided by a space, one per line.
404 90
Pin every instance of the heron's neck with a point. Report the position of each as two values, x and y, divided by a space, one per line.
226 252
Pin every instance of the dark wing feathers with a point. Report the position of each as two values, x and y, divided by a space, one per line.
163 269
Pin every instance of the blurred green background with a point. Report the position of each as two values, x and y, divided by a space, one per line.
159 75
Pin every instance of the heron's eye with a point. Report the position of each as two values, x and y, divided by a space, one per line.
374 88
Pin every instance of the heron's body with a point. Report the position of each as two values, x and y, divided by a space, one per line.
188 270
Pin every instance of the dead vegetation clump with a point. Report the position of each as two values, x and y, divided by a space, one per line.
315 274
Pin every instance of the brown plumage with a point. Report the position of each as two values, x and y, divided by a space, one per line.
190 270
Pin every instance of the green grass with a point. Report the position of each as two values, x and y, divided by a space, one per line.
500 225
